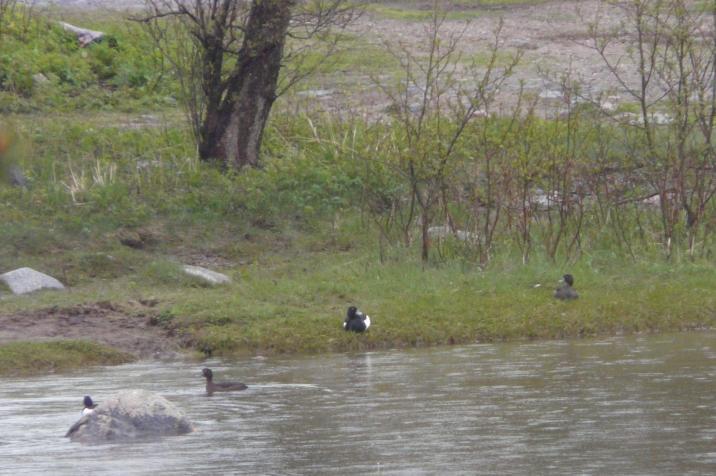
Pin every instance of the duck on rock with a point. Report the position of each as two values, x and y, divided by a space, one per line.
89 405
212 386
356 321
566 290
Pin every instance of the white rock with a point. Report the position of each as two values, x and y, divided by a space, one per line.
608 106
661 118
39 78
445 231
207 275
551 94
84 36
27 280
316 93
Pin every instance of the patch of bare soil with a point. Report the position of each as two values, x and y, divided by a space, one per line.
553 38
130 330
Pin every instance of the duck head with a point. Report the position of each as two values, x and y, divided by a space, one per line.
569 279
88 403
207 373
352 312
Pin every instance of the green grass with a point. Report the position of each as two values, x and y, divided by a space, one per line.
121 73
29 358
298 306
408 14
361 58
456 10
629 107
294 301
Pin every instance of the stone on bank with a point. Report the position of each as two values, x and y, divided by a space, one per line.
27 280
207 275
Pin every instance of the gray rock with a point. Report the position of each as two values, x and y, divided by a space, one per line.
551 94
27 280
316 93
39 79
130 415
17 178
661 118
608 106
211 277
84 36
445 231
658 118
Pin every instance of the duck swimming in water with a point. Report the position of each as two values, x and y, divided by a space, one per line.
89 405
212 387
356 321
566 291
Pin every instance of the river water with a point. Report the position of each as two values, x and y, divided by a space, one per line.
633 405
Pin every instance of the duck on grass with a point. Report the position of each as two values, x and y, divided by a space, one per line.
356 321
566 290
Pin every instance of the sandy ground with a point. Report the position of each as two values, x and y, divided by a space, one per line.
553 39
130 330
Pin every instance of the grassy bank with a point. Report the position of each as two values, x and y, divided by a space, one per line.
293 238
29 358
115 203
285 303
415 307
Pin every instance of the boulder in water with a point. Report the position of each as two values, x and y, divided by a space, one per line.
130 415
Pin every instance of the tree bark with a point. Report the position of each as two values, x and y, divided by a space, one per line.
233 126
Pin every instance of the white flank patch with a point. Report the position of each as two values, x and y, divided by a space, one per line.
367 321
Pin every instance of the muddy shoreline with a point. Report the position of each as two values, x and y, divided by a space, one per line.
132 328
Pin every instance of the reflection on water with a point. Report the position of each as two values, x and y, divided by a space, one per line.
642 405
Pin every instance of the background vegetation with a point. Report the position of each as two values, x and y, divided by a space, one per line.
444 221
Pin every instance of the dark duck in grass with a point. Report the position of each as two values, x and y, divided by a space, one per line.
89 405
356 321
566 291
212 386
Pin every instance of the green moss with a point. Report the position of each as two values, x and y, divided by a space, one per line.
28 358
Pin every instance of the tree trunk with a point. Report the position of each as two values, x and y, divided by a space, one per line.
424 227
232 130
